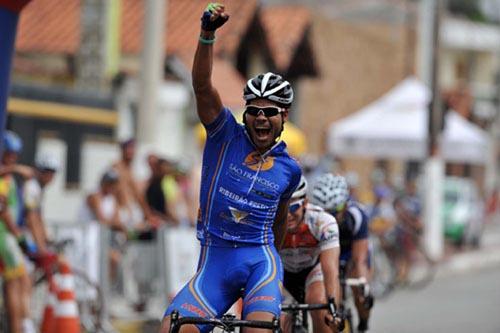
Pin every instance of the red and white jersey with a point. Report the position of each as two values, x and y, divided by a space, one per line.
318 232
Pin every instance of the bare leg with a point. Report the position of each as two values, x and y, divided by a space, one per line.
114 259
285 323
363 313
258 315
13 295
26 299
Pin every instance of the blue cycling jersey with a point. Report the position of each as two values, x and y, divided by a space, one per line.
241 188
353 227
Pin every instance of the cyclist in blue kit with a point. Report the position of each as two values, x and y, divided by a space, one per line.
247 181
331 192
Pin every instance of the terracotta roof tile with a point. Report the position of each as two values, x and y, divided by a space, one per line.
285 27
183 25
53 26
49 26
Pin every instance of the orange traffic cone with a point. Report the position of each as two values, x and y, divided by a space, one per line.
66 311
48 321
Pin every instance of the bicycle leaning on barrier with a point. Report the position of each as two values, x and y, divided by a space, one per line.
409 265
88 294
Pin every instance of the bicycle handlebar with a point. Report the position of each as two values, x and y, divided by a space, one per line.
356 282
60 245
226 322
330 306
307 307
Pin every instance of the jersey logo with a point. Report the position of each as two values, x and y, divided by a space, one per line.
254 159
238 215
302 238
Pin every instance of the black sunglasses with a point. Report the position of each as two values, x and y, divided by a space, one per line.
267 111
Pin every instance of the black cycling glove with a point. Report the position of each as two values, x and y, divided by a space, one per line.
207 24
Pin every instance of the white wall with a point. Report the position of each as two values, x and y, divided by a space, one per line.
61 205
97 157
173 140
173 98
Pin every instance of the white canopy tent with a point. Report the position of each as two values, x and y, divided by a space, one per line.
395 126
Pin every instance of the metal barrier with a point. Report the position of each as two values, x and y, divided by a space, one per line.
150 271
85 253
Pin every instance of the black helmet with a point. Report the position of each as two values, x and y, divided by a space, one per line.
269 86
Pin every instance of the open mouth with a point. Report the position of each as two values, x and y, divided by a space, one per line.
262 133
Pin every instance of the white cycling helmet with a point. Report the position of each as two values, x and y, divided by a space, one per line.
301 190
330 192
47 163
269 86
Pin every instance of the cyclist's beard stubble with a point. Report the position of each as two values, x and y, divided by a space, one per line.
264 132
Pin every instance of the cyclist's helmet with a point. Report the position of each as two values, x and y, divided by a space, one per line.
330 192
47 163
301 190
269 86
12 142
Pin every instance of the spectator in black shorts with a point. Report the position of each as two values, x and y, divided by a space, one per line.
156 194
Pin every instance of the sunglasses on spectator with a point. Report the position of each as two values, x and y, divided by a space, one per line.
293 207
267 111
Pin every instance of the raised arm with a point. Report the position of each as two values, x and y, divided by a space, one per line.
208 102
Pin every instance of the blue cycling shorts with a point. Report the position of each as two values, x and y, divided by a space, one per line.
225 274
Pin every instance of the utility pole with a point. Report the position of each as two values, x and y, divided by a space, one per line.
91 55
491 177
434 165
152 69
409 42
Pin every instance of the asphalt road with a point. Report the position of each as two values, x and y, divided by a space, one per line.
467 302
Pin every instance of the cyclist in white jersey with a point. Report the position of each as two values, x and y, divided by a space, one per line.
310 256
331 192
46 167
